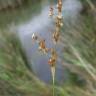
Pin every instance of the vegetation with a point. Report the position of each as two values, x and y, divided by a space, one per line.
13 71
79 58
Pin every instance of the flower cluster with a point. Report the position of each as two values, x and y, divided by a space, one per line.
58 20
42 43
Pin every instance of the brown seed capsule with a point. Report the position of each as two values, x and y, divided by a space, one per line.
56 36
59 6
51 62
53 58
51 13
60 19
59 22
42 46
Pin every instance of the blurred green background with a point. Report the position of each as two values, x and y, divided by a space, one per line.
78 38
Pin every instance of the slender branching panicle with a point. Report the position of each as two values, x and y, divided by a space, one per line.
42 43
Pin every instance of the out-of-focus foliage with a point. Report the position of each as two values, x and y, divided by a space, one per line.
80 53
15 78
79 58
19 13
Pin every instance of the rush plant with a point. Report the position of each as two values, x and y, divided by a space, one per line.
51 52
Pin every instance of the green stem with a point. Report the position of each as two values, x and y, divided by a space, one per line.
53 87
53 79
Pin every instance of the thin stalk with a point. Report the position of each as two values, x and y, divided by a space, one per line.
92 6
53 88
53 79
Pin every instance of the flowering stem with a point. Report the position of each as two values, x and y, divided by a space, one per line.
53 79
53 88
